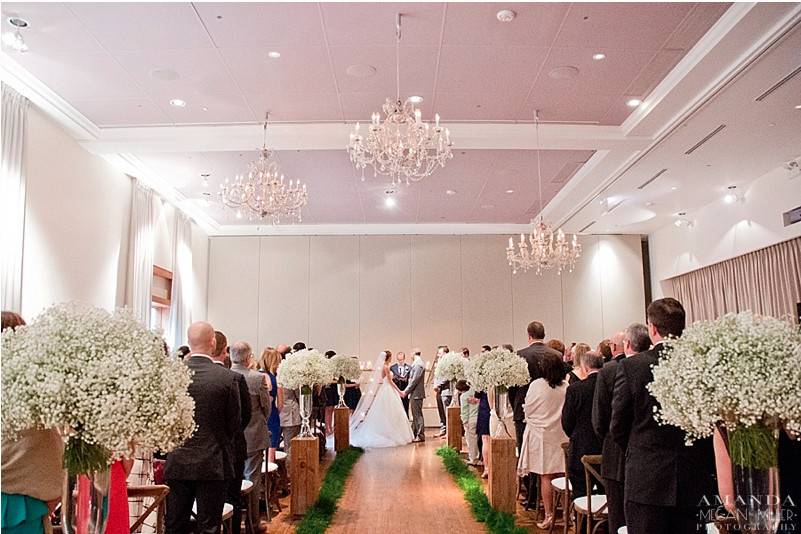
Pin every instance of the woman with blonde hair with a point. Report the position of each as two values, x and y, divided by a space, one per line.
269 362
578 353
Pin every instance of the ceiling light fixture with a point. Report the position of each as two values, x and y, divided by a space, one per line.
263 192
506 15
14 39
545 248
733 195
273 54
177 103
402 147
389 200
510 191
599 56
798 106
450 192
416 99
633 102
682 221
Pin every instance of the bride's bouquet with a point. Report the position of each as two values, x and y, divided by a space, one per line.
345 368
450 367
102 379
304 368
497 368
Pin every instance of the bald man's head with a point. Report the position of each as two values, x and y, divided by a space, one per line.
201 338
616 343
282 348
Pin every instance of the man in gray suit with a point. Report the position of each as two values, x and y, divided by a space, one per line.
256 435
416 392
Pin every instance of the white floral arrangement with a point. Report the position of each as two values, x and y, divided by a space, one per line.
450 366
496 368
102 379
741 371
345 367
304 368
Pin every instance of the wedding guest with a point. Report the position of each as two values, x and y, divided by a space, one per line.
256 436
483 427
199 470
331 399
233 494
541 452
635 340
400 376
288 406
577 420
271 359
557 345
665 479
617 345
533 353
32 471
299 346
283 350
469 413
485 348
508 346
605 349
182 351
465 352
575 373
353 394
442 392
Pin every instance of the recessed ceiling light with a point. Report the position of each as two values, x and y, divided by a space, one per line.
633 102
273 54
166 75
360 70
565 72
510 191
674 188
415 99
204 108
506 15
177 103
798 106
450 192
599 56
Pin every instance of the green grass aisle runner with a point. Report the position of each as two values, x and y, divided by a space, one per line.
497 522
318 517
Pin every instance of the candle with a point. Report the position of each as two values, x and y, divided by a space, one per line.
511 243
522 239
436 120
417 116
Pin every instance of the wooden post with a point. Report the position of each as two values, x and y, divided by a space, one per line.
304 471
502 483
341 429
454 417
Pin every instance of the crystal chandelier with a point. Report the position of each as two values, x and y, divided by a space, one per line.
544 249
263 193
402 147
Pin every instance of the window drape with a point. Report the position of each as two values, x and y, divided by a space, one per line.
12 193
182 278
767 282
142 244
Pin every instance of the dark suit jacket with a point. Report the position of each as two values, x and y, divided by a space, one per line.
532 354
400 381
614 460
209 453
660 469
577 422
240 443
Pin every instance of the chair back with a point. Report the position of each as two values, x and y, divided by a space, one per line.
592 475
566 454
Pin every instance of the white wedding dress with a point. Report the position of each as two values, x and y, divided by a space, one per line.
379 419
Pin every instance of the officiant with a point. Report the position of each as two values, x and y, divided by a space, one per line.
400 376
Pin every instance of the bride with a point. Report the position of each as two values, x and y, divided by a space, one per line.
379 420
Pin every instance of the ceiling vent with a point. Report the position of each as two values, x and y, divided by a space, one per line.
651 179
613 207
567 172
583 229
706 138
778 84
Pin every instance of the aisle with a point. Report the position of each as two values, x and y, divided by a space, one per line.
403 489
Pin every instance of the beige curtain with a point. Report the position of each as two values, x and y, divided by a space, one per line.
767 282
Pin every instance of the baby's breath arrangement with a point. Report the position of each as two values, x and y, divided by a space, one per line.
304 368
345 368
450 366
741 371
100 378
496 368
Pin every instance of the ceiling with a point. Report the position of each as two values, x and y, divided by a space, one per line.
107 71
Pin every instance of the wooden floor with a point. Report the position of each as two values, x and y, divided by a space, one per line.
401 489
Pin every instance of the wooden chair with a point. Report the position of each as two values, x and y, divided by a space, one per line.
159 495
270 473
561 494
283 473
593 507
225 518
244 494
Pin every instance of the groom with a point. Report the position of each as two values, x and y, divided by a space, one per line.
416 392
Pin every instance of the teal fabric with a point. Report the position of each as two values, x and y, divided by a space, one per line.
22 514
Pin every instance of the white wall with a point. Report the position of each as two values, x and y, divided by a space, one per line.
722 231
361 294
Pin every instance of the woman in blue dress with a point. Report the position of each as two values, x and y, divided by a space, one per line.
271 359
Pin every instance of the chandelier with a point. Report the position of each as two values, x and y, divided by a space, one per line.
402 147
263 192
544 249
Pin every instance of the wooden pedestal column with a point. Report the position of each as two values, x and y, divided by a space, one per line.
454 416
341 429
304 471
502 483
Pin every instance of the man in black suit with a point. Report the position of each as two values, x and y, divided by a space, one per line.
199 469
577 420
400 376
634 340
532 354
666 480
233 492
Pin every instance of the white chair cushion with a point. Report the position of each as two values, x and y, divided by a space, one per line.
560 482
268 469
623 530
228 510
246 485
280 455
598 502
